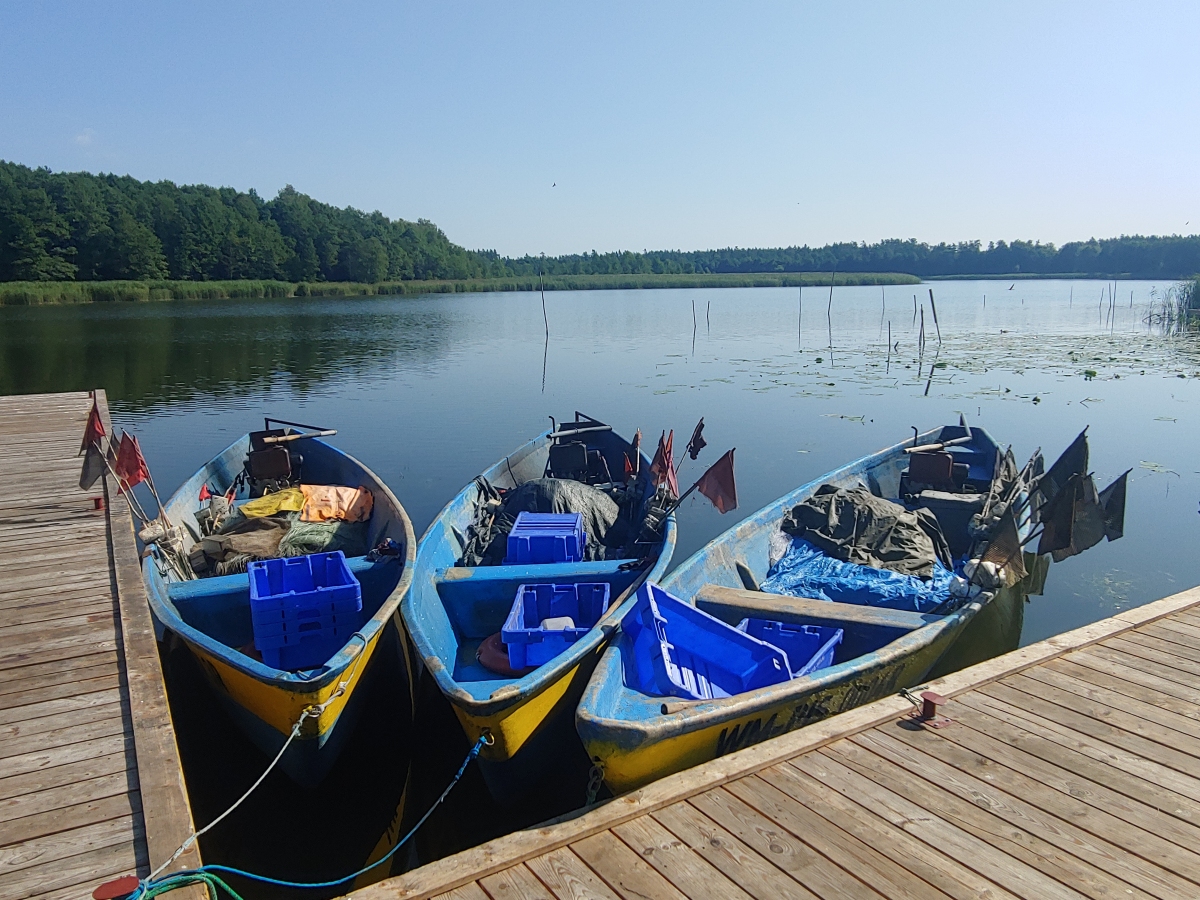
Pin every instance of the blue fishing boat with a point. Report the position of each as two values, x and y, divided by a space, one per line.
869 631
462 598
245 506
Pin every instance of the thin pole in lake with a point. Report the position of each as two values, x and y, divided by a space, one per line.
1071 301
889 355
799 316
829 313
542 289
883 311
985 301
708 316
933 306
914 310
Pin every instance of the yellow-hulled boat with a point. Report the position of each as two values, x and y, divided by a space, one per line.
453 608
212 615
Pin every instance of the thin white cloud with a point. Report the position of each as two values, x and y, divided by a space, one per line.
84 138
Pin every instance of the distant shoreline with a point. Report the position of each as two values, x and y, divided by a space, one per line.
37 293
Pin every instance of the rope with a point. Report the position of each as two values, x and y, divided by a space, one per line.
308 713
150 888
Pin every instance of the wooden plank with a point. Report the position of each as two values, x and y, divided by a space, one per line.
19 681
517 883
75 870
104 683
1098 768
625 872
54 847
858 859
1187 670
62 820
86 759
1149 772
1102 854
715 600
13 809
1097 667
1061 791
1121 701
1010 856
944 873
1131 689
731 857
470 891
1121 657
1084 724
675 861
62 704
779 846
1167 647
166 810
567 877
59 727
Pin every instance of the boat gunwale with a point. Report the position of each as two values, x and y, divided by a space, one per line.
336 664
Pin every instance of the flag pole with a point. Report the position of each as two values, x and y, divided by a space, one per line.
125 488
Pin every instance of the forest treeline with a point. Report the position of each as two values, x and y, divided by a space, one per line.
76 226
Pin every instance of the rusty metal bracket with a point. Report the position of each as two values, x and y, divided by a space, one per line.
927 714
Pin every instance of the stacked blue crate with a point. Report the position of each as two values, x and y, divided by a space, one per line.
540 538
303 609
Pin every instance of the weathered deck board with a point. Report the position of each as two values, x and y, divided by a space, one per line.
90 781
1071 769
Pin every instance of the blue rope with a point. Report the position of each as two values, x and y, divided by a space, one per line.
182 879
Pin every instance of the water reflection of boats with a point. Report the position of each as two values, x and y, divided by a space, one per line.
462 595
212 615
888 640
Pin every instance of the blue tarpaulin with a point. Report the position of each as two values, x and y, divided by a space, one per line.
805 571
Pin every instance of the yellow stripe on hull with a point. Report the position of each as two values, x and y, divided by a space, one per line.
513 726
627 769
279 705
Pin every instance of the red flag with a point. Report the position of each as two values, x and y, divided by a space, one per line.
718 484
663 467
205 493
131 465
629 473
93 433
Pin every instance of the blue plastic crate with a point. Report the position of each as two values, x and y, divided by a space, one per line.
680 651
531 640
538 538
808 647
303 609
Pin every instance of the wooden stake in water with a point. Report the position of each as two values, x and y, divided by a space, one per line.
914 310
933 306
829 311
889 355
883 311
799 316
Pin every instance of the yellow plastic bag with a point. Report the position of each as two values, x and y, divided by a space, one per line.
287 500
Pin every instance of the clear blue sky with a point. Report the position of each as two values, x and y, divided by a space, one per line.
684 125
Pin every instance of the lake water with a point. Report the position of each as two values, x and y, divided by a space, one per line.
429 391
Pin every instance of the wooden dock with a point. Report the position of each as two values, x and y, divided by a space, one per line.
90 781
1070 769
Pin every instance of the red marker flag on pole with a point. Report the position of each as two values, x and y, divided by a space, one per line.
92 450
205 493
663 467
718 484
131 465
93 433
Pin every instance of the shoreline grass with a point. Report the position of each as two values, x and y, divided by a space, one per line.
36 293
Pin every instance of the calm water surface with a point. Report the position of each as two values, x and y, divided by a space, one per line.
430 391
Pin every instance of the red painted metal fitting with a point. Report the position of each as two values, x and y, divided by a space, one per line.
930 703
97 503
117 888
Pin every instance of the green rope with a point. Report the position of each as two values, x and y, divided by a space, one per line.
173 882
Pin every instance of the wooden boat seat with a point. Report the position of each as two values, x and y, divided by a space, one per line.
732 605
